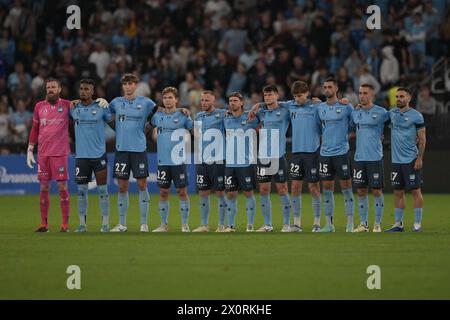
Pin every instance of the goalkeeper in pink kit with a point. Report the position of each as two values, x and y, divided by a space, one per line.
50 133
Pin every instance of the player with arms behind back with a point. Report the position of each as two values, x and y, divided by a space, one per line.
407 125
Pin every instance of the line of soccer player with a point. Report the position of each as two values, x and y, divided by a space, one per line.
320 151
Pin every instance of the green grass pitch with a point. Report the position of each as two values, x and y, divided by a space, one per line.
221 266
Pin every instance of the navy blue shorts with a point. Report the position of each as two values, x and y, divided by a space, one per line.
280 176
368 174
210 176
126 162
85 166
305 165
167 174
329 167
404 176
240 178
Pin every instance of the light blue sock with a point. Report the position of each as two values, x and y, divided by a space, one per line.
164 211
231 211
349 204
398 213
222 204
286 208
82 202
418 215
250 207
266 209
123 203
184 209
328 205
144 200
379 205
103 198
363 206
204 209
316 207
297 208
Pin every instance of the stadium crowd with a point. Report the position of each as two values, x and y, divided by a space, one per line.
223 46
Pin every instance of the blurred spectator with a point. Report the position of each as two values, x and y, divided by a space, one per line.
7 49
21 121
426 104
122 14
185 87
238 80
216 9
234 40
248 57
221 70
416 38
4 123
101 58
365 77
389 70
344 81
14 78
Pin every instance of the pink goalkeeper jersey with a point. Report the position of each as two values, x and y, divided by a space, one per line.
53 123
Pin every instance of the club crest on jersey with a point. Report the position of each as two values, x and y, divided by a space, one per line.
94 112
338 110
243 123
60 109
406 118
176 120
139 106
278 113
217 115
374 116
412 177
